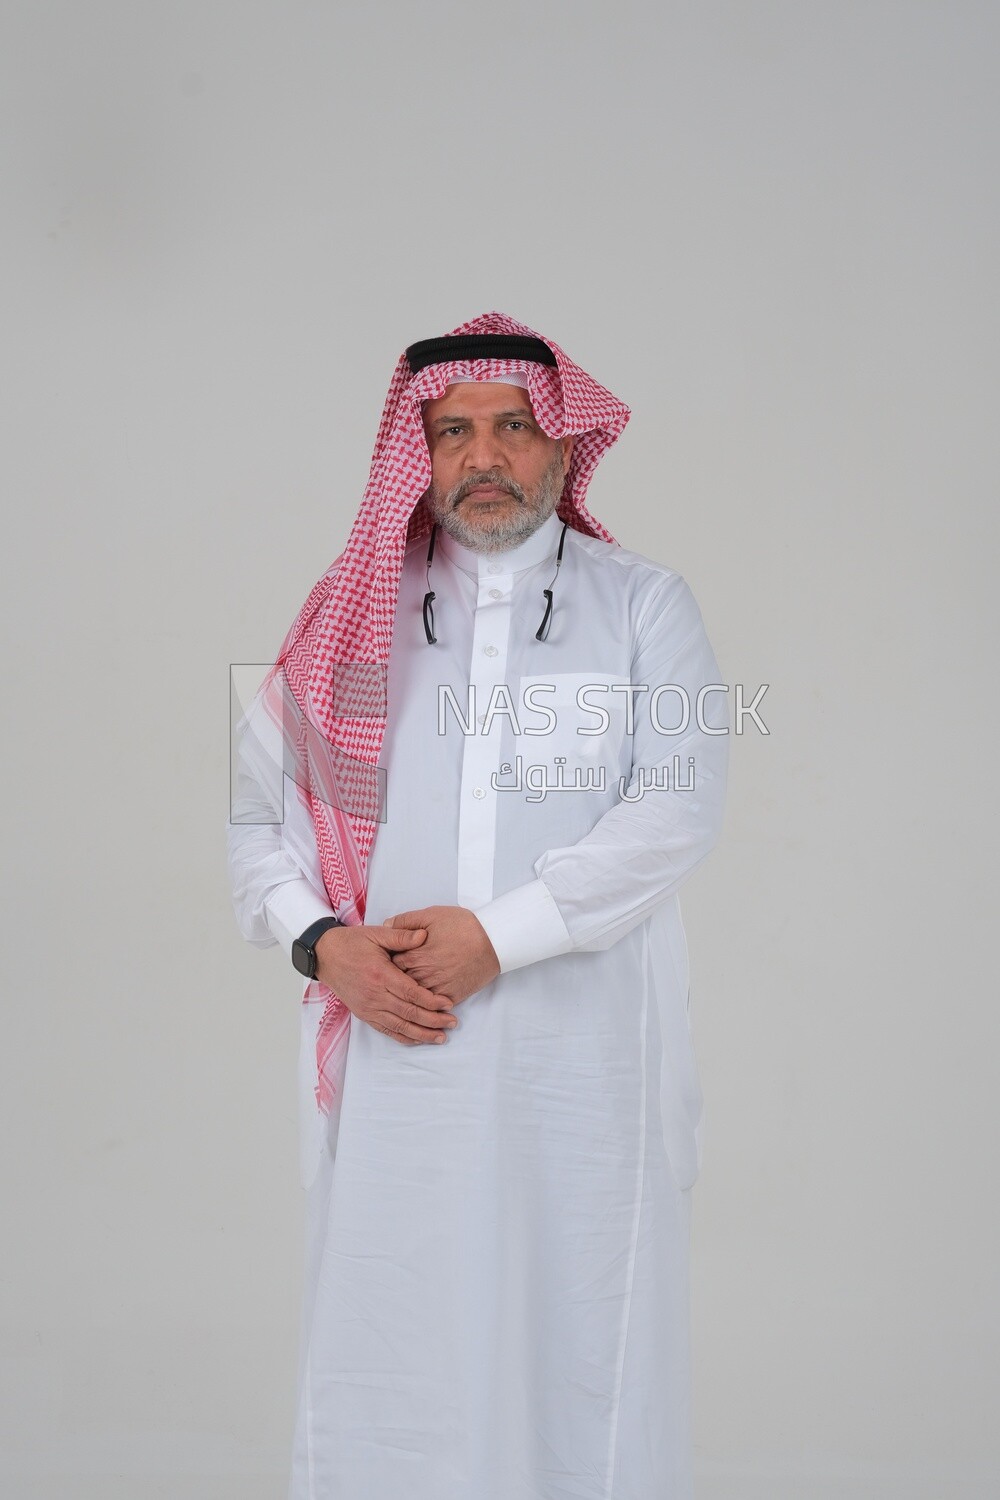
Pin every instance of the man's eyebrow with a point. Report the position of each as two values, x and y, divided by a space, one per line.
522 413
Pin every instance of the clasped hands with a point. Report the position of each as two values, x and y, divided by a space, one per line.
406 976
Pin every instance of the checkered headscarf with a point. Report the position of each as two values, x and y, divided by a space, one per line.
327 689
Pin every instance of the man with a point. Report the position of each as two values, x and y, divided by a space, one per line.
493 748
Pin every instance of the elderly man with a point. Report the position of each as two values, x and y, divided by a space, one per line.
491 751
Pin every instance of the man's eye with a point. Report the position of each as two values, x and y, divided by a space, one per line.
515 423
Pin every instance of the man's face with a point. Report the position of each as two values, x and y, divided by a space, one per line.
495 475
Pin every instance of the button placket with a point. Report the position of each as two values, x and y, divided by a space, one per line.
481 753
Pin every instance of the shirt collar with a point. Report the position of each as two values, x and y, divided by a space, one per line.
541 544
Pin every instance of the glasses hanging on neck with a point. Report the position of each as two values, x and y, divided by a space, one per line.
540 634
543 629
430 595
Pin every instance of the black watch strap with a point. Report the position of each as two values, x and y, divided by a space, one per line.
304 947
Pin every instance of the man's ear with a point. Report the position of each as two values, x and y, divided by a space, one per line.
566 444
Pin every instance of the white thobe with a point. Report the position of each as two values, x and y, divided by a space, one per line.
496 1303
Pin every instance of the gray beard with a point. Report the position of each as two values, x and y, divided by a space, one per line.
504 531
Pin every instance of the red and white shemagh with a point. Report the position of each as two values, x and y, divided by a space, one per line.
327 689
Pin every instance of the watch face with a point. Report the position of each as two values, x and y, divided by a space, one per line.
302 958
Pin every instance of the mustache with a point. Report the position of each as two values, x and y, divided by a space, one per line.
477 481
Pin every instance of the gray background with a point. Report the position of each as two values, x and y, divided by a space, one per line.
772 229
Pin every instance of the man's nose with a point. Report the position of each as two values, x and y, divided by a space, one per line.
485 451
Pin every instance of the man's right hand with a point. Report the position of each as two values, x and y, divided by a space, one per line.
356 963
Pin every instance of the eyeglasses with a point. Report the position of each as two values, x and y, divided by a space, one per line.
540 634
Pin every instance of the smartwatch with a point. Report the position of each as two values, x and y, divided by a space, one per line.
304 947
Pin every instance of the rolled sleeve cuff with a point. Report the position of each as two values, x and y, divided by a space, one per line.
525 925
291 908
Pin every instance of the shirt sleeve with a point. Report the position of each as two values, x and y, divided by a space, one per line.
588 895
273 900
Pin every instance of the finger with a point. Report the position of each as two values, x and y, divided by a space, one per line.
396 937
423 1021
397 969
413 1024
378 1023
407 919
402 987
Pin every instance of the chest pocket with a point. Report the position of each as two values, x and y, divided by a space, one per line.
572 714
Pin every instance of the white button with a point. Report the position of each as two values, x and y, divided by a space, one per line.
480 792
496 593
494 567
489 651
481 719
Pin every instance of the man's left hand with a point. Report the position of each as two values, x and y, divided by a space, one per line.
457 958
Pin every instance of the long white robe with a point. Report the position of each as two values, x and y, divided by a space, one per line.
496 1303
